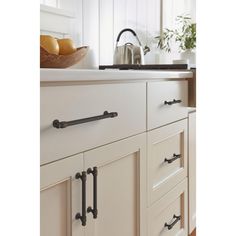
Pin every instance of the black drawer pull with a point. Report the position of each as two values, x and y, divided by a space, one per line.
175 157
93 210
63 124
172 102
170 226
82 216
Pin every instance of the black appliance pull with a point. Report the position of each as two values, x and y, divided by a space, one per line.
82 216
125 30
172 102
175 157
170 226
93 210
63 124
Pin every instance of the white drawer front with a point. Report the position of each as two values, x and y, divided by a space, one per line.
165 212
67 103
167 158
163 92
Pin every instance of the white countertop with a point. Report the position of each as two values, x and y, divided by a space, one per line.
79 75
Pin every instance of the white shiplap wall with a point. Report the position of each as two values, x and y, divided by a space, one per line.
96 23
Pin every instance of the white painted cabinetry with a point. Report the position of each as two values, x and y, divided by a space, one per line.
66 103
192 171
121 188
167 158
124 176
60 197
120 192
167 102
169 216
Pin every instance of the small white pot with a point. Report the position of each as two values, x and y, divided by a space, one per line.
189 55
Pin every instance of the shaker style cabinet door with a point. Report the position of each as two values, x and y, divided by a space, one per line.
60 198
118 193
192 171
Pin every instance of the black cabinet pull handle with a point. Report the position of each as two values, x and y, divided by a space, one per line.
170 226
172 102
175 157
82 216
93 210
63 124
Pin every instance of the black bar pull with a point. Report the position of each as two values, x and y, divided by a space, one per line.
63 124
170 226
175 157
82 216
172 102
93 210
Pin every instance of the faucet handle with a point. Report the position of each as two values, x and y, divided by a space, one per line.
146 50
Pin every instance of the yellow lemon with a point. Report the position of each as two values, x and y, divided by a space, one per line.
49 43
66 46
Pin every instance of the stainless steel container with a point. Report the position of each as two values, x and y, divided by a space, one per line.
129 53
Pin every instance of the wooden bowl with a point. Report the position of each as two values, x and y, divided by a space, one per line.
48 60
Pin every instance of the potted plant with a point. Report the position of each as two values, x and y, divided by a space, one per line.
184 36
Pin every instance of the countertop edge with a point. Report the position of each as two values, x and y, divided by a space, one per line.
95 76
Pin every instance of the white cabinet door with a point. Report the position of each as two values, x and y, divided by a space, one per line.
121 188
192 171
60 198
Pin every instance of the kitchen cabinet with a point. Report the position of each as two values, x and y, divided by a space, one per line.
68 103
121 188
167 102
192 171
120 192
169 216
127 175
60 197
167 158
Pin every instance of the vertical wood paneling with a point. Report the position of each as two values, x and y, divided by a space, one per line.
78 30
131 19
131 11
142 20
119 19
77 26
153 17
91 32
106 32
192 10
98 23
153 29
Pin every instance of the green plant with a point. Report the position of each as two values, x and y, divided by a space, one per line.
184 35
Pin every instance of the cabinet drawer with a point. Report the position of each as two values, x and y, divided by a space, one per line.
167 158
164 213
167 102
67 103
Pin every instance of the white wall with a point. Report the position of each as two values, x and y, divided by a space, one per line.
96 23
172 9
